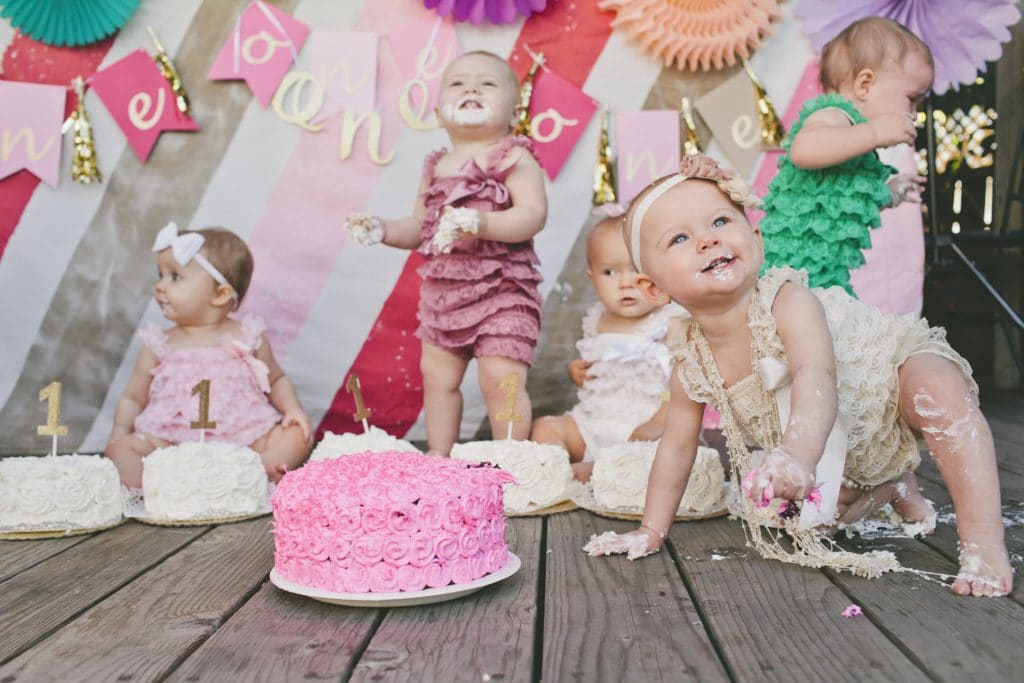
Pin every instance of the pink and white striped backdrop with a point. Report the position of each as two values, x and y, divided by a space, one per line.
75 268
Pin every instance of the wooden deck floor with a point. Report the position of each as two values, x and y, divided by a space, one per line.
141 603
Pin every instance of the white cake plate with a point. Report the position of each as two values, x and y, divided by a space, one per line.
401 599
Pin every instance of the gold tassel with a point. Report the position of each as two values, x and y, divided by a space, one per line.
524 125
166 67
604 176
691 144
84 168
772 130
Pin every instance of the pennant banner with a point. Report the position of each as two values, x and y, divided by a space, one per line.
30 121
647 146
559 112
140 100
261 49
344 63
730 110
422 49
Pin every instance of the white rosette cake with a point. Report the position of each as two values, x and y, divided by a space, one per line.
376 440
58 494
542 470
619 480
199 482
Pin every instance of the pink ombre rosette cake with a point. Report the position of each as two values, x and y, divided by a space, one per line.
389 522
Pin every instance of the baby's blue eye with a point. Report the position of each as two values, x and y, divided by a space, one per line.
720 221
679 239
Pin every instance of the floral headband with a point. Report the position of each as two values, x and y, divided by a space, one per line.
696 166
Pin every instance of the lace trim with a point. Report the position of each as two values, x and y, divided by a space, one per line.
155 339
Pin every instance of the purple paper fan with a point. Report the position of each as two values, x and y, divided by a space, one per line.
495 11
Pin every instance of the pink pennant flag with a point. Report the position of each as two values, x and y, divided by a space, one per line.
559 112
423 49
345 62
30 119
262 47
647 146
141 101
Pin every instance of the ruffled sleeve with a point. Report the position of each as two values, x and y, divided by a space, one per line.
253 328
591 319
155 339
762 322
496 157
688 366
430 166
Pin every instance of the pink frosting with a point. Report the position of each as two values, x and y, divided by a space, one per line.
386 522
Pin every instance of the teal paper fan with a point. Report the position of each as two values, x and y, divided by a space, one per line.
68 22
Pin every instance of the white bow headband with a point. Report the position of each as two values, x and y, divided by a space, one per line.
185 248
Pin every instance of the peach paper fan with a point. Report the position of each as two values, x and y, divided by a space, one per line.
695 34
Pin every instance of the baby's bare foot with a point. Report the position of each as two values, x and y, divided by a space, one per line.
984 566
916 512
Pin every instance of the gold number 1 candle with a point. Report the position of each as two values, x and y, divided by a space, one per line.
51 394
353 387
203 423
509 385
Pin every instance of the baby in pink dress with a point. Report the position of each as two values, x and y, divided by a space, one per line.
203 276
479 206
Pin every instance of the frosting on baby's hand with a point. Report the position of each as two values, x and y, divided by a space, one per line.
365 229
455 224
635 544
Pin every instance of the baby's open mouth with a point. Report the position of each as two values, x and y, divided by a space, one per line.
718 263
470 103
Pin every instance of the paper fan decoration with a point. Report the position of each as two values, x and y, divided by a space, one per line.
495 11
68 22
962 34
704 34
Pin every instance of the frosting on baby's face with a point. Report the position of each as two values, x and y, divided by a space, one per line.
478 91
697 246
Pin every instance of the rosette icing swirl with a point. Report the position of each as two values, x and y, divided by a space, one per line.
387 522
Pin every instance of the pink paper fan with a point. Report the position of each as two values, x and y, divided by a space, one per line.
695 34
962 34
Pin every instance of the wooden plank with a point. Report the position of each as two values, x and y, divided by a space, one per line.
488 635
17 556
277 636
780 621
144 630
609 619
953 638
40 599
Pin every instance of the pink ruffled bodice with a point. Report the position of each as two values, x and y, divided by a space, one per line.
238 388
482 287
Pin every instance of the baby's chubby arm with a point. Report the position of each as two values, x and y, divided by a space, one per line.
803 329
135 395
828 138
529 209
282 392
666 483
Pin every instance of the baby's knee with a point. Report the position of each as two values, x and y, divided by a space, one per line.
545 428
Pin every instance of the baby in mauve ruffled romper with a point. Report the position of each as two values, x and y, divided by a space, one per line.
478 207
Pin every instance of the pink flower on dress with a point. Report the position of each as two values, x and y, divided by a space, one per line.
260 371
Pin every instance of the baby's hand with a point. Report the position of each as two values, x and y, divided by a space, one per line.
365 229
893 129
648 431
905 187
778 476
456 224
635 544
298 418
579 371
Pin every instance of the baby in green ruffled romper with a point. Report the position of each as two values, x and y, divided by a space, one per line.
831 185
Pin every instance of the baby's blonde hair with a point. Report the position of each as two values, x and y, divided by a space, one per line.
230 255
867 43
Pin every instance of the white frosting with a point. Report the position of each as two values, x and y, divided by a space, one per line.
203 481
542 470
621 471
376 440
58 493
